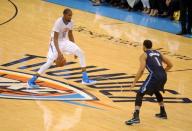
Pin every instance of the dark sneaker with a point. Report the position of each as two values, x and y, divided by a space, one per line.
161 115
132 121
189 32
182 33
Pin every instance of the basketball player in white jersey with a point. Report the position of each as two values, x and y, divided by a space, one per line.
61 44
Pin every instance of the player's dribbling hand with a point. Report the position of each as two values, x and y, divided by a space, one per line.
60 56
75 57
60 61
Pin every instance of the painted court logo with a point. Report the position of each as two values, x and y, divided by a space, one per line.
112 85
13 85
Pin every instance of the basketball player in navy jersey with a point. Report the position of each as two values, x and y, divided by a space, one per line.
59 45
152 60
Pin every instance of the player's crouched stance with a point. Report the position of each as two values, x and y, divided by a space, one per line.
152 60
59 45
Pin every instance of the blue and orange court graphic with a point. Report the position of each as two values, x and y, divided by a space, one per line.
13 85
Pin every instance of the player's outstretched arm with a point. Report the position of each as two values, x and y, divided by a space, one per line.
141 69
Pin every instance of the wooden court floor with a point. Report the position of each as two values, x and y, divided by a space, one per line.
112 49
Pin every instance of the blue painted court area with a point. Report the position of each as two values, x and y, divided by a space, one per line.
138 18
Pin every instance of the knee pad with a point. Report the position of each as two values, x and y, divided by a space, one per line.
159 96
139 97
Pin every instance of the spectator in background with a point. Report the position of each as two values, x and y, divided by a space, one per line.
185 17
162 8
173 6
135 5
146 6
117 3
158 7
114 2
96 2
124 4
154 9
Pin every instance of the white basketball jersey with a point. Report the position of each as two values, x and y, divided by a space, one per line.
61 28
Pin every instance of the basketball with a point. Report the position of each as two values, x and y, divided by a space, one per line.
60 63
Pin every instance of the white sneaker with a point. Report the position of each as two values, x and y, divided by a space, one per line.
89 82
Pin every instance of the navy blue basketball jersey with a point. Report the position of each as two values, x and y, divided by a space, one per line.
154 62
157 76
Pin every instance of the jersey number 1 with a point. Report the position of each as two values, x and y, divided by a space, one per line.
157 61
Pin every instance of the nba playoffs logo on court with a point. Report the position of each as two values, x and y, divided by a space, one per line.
13 85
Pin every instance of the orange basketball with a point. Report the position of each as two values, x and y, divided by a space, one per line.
60 63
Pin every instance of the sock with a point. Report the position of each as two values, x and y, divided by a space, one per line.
162 109
34 78
85 76
136 114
